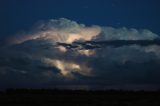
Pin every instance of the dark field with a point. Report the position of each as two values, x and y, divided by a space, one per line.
48 97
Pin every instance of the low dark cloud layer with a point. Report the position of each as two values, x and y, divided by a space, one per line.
64 54
113 43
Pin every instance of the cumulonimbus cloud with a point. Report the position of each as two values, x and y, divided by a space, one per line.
64 53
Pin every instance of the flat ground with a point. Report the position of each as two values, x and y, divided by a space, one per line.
32 97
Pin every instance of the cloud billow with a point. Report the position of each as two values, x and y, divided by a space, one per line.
62 53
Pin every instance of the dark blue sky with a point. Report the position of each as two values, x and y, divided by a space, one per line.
17 15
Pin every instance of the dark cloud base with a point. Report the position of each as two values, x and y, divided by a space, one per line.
112 43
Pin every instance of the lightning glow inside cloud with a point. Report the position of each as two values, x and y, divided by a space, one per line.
35 55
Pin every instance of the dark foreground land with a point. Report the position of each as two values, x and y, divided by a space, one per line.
32 97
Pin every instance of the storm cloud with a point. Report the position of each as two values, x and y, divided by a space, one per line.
64 54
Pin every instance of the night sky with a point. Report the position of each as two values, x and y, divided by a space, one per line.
39 49
17 15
